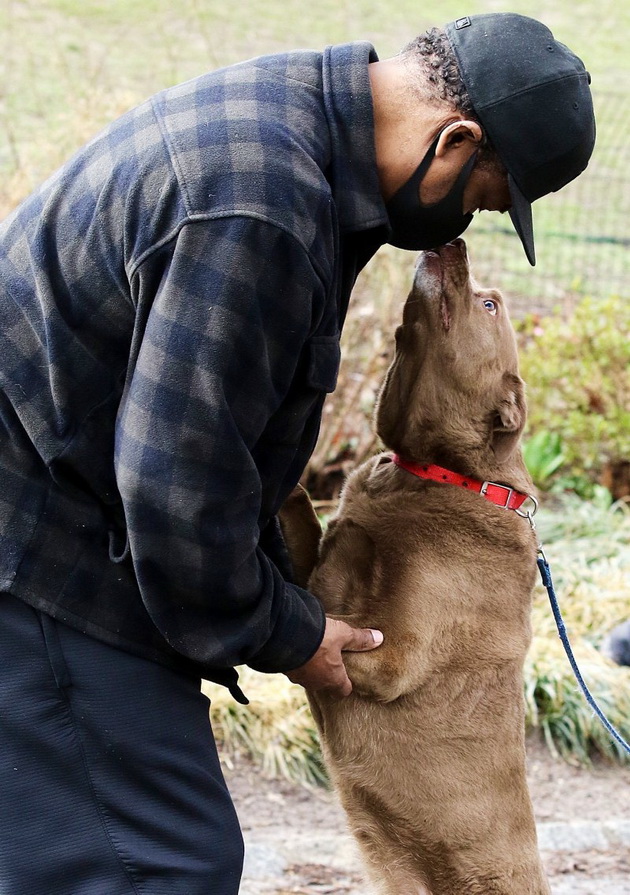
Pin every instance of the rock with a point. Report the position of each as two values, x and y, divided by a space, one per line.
583 836
601 886
262 862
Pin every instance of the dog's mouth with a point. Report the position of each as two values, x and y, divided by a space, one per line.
445 312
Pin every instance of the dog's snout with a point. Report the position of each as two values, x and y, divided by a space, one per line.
428 263
442 279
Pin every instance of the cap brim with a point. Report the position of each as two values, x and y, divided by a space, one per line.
521 214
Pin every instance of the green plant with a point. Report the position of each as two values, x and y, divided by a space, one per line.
543 454
577 370
584 488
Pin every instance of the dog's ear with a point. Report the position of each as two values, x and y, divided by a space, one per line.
390 420
509 418
302 532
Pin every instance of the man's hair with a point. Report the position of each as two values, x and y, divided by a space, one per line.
433 52
434 55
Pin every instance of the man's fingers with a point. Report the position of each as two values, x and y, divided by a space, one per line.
344 689
362 639
325 670
335 681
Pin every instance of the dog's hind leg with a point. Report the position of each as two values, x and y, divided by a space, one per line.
396 880
389 864
390 872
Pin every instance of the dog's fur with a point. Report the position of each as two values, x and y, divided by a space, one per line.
427 754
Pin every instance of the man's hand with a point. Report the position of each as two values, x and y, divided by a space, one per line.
326 671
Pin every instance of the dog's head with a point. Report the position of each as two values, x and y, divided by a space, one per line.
453 393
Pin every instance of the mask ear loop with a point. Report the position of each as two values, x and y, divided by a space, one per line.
412 185
462 177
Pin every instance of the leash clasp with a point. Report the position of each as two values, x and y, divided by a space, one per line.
529 515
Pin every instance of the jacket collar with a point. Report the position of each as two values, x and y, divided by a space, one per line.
350 113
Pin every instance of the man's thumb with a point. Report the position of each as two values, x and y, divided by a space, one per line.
363 639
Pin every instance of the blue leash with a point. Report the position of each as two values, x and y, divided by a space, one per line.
545 574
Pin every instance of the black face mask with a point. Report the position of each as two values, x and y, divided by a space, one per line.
415 226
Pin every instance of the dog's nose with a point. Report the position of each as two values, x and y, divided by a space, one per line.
453 252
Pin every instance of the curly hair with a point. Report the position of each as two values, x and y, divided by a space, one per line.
434 53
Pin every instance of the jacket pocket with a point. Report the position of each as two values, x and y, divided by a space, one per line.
324 357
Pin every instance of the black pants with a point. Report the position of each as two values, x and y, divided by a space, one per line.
110 782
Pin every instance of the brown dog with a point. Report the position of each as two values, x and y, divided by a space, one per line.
428 752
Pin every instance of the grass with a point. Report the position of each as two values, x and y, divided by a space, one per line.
67 67
276 730
589 554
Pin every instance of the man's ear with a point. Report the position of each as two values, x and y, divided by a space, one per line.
458 132
510 416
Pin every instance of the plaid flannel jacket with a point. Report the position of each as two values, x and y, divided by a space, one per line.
170 307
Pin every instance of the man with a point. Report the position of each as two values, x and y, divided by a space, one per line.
171 303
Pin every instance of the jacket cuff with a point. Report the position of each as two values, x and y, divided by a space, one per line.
296 636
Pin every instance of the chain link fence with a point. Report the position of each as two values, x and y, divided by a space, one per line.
582 232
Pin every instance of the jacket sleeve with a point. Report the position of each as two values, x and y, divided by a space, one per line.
224 311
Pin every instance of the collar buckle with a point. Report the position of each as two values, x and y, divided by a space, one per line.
509 492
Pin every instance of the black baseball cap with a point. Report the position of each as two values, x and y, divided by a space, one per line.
533 100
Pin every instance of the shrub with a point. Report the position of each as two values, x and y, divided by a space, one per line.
587 547
577 371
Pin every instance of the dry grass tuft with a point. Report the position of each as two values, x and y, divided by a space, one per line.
276 729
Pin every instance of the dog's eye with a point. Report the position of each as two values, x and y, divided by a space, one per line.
491 306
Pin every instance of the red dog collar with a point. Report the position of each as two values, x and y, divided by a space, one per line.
501 495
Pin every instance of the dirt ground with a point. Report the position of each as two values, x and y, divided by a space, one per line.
273 811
